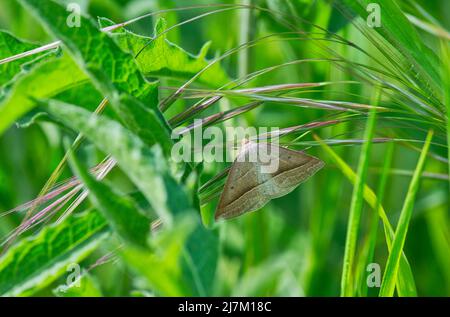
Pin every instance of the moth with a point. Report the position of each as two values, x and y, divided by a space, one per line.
250 184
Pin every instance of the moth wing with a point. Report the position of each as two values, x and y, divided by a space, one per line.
246 189
240 191
295 167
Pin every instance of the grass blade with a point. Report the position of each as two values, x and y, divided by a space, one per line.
356 207
392 266
445 49
371 241
406 285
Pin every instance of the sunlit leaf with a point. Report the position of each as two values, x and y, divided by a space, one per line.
122 214
35 262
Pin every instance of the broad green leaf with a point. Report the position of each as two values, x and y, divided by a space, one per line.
45 80
200 260
182 262
10 46
145 166
84 286
197 260
122 214
393 262
161 266
32 118
113 71
144 123
159 57
35 262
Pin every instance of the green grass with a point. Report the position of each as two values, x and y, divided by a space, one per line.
445 56
370 243
391 271
356 207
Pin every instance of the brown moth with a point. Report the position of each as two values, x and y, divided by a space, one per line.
248 187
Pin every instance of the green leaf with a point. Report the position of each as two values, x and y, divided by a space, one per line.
160 267
200 260
182 262
160 57
113 71
122 214
393 262
35 262
144 123
10 46
44 80
145 166
32 118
